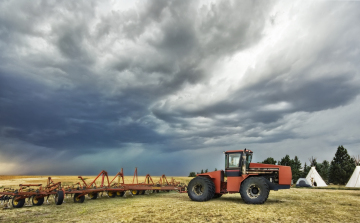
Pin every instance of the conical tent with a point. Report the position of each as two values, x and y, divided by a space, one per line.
315 179
355 178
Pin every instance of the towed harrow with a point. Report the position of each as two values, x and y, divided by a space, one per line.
35 194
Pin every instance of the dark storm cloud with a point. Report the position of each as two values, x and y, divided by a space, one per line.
83 81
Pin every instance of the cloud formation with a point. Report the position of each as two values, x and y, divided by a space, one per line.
171 84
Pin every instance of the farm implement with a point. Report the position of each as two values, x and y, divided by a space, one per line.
252 180
35 194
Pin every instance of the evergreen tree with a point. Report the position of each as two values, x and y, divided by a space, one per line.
202 171
285 161
269 160
206 170
323 170
306 170
192 174
215 169
341 167
296 169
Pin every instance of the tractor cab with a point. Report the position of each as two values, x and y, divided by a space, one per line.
237 162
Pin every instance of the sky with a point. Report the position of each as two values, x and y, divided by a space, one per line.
167 86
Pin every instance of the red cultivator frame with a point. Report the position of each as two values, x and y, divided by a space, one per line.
113 188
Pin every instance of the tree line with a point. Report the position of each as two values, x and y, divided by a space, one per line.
338 171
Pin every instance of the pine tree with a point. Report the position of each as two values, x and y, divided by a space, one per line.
192 174
215 169
295 169
269 160
206 170
285 161
202 171
323 170
341 168
306 170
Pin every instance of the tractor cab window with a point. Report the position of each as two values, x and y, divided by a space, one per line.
234 160
248 160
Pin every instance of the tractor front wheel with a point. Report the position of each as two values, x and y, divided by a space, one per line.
201 189
254 190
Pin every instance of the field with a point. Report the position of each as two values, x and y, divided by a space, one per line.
294 205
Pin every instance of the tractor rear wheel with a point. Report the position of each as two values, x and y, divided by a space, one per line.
59 197
78 199
254 190
201 189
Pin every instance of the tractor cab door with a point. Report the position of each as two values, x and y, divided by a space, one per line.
233 164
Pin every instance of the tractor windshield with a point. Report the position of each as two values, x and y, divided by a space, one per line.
248 160
234 160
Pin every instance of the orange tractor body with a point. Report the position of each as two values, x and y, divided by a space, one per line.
252 180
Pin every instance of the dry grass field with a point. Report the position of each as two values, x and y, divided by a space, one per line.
294 205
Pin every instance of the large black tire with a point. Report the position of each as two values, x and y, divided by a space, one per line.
37 201
120 193
254 190
93 195
217 196
201 189
78 199
18 203
59 197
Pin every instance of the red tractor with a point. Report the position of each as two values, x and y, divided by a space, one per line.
253 180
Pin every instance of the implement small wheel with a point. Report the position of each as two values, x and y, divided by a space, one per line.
142 192
59 197
78 199
135 192
254 190
111 194
201 189
37 201
120 193
93 195
18 203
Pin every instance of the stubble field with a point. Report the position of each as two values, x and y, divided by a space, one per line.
294 205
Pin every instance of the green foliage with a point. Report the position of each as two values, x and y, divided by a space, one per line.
323 170
285 161
295 169
306 170
295 165
202 171
192 174
341 168
206 170
215 169
269 160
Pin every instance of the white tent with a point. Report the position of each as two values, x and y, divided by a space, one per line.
315 179
355 178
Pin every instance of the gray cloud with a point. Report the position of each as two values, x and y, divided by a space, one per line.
170 81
